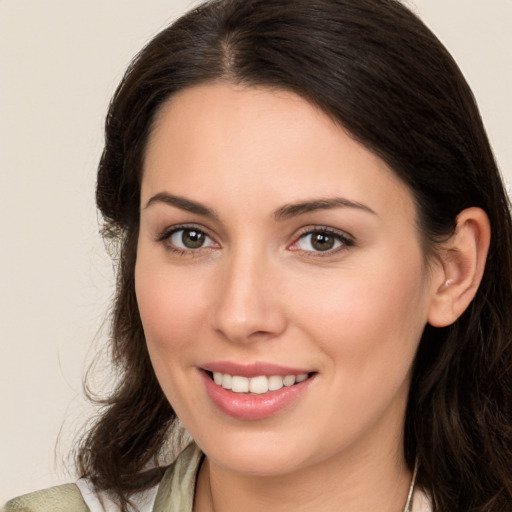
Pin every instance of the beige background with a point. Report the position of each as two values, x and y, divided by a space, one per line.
59 63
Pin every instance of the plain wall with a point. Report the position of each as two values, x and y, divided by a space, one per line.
60 61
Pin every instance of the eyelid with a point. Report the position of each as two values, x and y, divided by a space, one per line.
347 239
165 235
169 230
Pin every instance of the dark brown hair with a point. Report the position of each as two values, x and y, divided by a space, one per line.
375 68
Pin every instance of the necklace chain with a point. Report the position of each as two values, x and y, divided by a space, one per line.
408 503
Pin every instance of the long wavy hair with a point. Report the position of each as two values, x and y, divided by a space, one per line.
378 71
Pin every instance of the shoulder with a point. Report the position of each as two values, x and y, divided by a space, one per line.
176 488
63 498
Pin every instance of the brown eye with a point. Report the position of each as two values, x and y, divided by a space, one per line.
190 239
322 241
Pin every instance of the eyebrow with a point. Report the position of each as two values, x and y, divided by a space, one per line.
292 210
182 204
285 212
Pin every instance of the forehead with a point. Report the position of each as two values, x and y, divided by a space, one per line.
222 141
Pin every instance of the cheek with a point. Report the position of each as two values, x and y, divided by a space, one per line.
370 322
171 305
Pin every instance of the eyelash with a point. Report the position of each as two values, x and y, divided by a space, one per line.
166 235
345 241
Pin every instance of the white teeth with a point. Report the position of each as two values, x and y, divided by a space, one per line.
289 380
226 381
257 385
240 384
275 382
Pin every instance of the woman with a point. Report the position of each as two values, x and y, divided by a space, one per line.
315 272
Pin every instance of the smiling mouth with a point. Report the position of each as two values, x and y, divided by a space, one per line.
256 385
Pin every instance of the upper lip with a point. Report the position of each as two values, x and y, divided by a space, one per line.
252 369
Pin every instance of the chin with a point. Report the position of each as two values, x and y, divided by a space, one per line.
254 462
256 453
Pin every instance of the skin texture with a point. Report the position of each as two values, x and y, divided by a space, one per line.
258 292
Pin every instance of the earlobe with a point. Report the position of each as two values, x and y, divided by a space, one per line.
462 264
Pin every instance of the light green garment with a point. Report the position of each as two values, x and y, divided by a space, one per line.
177 488
175 492
63 498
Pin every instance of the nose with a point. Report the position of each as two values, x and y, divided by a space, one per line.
248 305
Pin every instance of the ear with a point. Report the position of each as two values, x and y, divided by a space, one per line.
462 264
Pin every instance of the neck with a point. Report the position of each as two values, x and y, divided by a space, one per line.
368 482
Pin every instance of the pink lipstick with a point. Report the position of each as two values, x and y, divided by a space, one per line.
255 391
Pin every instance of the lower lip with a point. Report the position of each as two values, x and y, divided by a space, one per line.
253 407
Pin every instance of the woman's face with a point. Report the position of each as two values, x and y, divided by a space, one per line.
272 245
